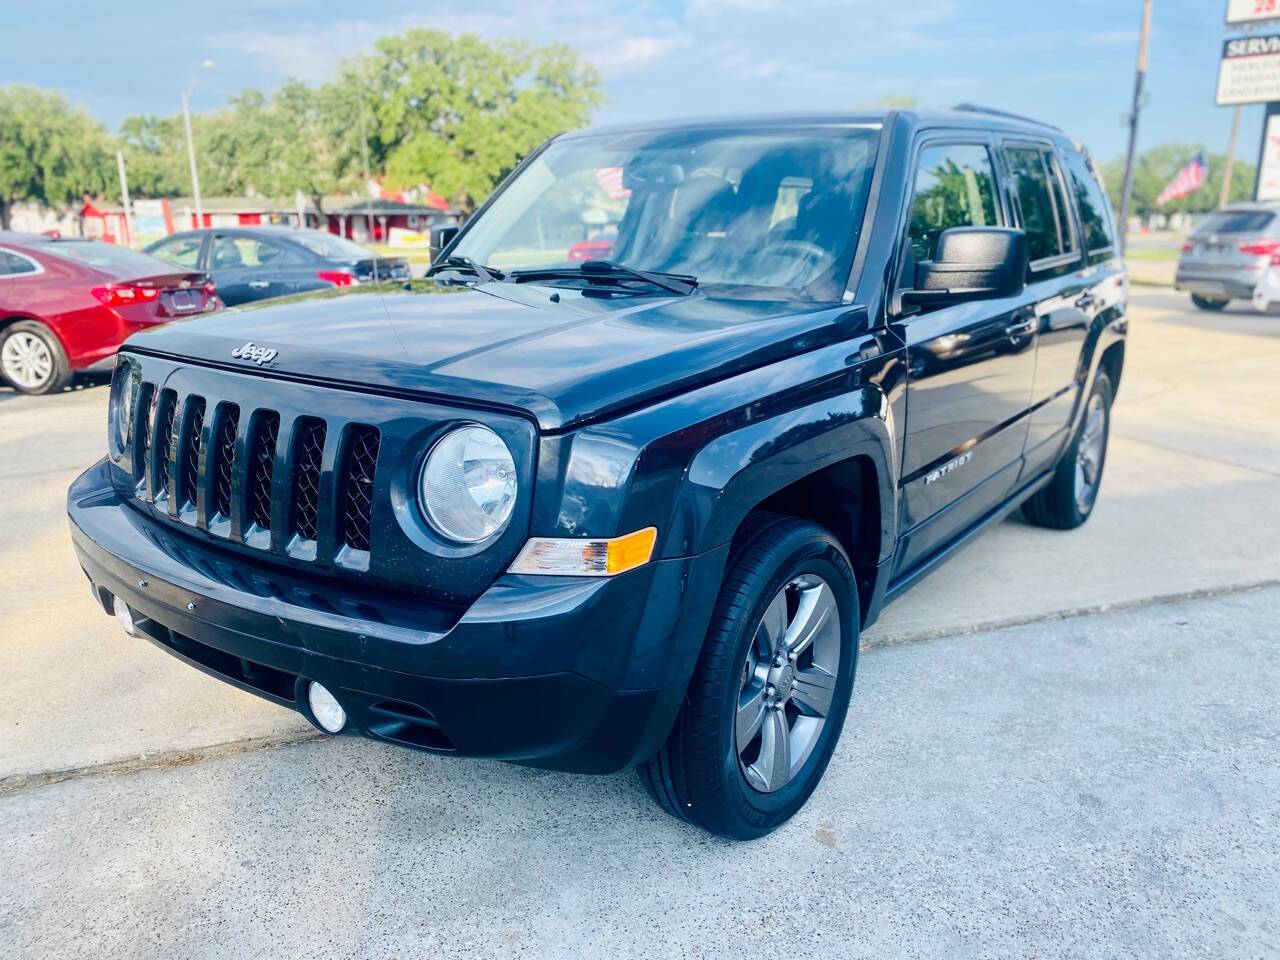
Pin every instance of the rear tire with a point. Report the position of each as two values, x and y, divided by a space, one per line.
756 732
32 360
1208 303
1064 504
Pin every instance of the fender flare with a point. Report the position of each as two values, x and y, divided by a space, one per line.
732 474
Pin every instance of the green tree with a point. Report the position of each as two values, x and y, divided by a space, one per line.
50 152
1155 168
459 113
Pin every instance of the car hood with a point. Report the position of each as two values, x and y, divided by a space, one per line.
564 362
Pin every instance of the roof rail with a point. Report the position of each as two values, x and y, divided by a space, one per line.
978 108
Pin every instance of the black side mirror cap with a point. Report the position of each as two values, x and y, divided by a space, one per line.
972 263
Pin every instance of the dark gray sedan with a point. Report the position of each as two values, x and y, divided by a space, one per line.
255 263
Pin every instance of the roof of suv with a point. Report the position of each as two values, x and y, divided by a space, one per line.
964 115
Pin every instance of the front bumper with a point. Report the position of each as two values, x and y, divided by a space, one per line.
577 674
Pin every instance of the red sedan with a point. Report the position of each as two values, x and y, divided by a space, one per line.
67 304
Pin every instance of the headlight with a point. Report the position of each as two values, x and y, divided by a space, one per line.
467 487
122 403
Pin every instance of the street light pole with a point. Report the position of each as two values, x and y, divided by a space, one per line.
191 155
1126 194
191 145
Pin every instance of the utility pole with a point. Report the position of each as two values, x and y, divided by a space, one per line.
1225 195
1127 194
364 136
191 146
191 157
124 199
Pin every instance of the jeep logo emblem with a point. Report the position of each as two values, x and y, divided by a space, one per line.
259 355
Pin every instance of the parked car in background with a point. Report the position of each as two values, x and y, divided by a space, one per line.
68 303
256 263
1226 257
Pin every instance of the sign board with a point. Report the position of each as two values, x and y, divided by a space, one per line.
1269 168
1251 11
1249 71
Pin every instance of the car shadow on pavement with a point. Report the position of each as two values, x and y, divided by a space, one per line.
82 381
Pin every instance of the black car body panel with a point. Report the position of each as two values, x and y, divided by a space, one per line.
905 430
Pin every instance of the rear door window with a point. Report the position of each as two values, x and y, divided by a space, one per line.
1095 211
955 187
1046 217
232 253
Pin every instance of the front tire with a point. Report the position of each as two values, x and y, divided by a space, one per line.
1209 303
1068 500
772 685
32 359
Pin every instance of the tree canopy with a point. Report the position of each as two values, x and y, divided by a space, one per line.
1156 167
454 112
50 152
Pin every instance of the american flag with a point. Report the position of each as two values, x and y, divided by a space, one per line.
1188 180
610 179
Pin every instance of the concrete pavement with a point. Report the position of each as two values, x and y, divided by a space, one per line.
1105 786
1188 506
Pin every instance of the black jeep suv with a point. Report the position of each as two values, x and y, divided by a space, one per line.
679 411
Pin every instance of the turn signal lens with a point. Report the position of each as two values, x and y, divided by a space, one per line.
565 557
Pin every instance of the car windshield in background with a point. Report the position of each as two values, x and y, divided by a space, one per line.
106 256
1237 221
330 247
778 211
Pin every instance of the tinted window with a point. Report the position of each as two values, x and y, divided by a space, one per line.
955 187
12 263
183 251
1237 221
230 253
1045 215
1095 213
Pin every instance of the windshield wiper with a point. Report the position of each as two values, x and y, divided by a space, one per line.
677 283
486 274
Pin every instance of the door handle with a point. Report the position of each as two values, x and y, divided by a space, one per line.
1086 301
1022 328
258 284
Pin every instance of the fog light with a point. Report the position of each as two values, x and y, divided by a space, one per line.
326 709
124 615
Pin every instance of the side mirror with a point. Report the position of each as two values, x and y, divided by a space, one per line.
441 237
971 263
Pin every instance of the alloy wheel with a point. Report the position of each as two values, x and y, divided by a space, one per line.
788 683
27 360
1089 452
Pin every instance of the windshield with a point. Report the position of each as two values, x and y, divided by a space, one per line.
328 246
777 210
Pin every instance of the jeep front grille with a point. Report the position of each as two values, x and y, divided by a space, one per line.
307 454
357 486
240 474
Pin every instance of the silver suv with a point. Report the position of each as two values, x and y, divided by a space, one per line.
1227 255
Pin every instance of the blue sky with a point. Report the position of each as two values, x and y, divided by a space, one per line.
1069 62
